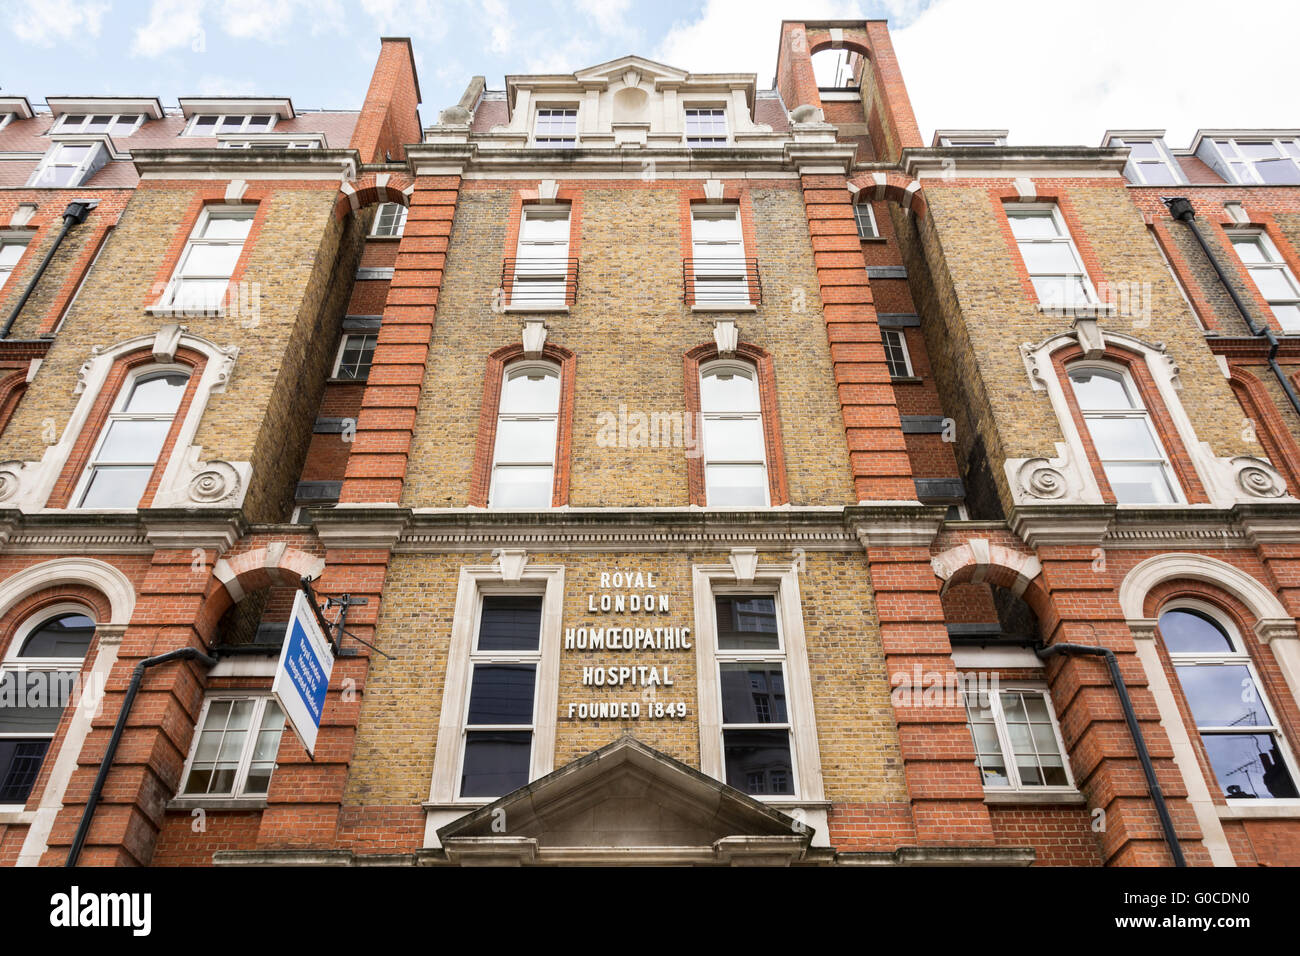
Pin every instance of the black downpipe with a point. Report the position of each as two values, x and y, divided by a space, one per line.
1139 741
1182 210
137 677
75 213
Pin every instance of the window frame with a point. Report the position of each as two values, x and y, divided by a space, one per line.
261 700
1236 162
751 370
555 142
512 368
115 413
1274 261
12 663
221 121
1140 410
805 748
23 242
1014 783
96 158
178 278
1135 164
719 268
1239 656
399 227
1063 237
449 755
715 111
556 274
343 347
858 209
63 126
899 337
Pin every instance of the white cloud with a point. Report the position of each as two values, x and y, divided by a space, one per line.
423 19
43 22
742 35
1064 73
609 16
172 24
495 13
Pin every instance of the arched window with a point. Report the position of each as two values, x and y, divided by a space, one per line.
523 459
131 440
38 679
735 455
1237 726
1127 445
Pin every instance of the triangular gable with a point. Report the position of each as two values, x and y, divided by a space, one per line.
626 801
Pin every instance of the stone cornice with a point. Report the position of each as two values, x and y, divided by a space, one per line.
246 163
1011 161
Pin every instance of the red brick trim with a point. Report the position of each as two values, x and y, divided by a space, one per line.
366 191
524 198
777 485
497 363
210 195
72 471
1184 273
1006 195
13 385
1278 443
1146 386
1265 223
732 194
76 275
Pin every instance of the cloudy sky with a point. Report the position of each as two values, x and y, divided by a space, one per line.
1051 71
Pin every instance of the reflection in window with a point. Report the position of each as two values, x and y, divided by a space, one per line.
735 451
235 749
523 460
1231 711
499 723
131 440
37 682
1017 746
1130 452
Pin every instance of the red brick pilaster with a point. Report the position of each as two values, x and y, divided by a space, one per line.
877 449
377 466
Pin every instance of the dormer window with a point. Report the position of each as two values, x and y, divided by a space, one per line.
969 137
69 164
1262 160
557 127
114 124
706 126
214 124
1149 164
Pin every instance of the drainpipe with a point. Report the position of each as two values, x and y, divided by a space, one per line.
1181 209
1130 717
137 676
75 213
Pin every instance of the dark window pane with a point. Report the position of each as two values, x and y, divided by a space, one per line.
20 762
1187 631
510 623
67 635
758 761
31 702
1248 765
753 693
502 694
1222 695
496 762
746 622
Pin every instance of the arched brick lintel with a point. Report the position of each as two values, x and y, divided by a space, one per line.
373 189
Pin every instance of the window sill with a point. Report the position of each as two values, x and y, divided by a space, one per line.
13 813
1257 809
525 307
468 805
383 238
725 307
168 310
1014 797
1084 310
216 803
878 240
345 381
907 380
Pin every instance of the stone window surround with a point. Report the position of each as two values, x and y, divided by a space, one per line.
744 573
1070 477
1273 627
511 574
186 479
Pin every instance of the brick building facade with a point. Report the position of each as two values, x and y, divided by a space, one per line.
728 477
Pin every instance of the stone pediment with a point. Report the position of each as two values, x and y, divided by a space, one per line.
625 801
